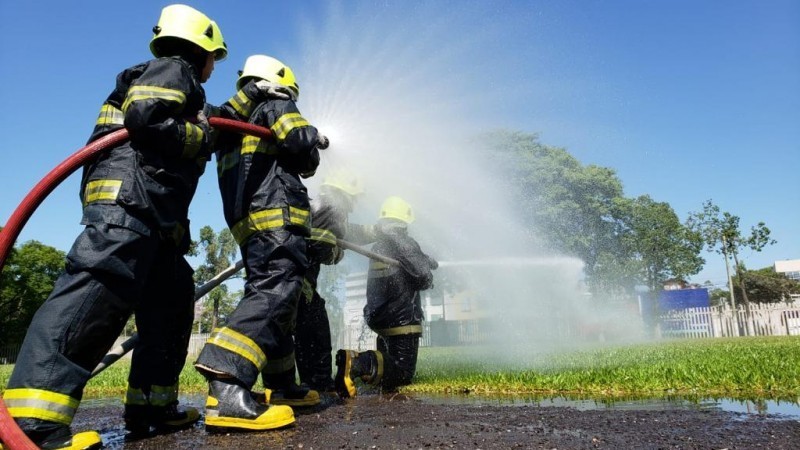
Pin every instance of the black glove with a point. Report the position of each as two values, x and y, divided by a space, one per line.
323 142
210 135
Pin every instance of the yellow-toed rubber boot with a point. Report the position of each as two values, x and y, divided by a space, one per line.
282 389
343 381
230 406
55 436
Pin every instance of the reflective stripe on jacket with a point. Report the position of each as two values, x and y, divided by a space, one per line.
153 176
259 178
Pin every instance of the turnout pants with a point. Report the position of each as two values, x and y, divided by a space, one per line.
313 338
111 271
399 359
263 322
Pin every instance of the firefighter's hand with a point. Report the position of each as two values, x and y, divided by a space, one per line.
433 263
323 142
208 130
274 90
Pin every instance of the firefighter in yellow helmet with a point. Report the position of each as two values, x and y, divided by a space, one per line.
393 309
130 256
330 209
266 207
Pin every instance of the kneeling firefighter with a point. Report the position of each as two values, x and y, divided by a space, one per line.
393 309
337 198
130 256
266 207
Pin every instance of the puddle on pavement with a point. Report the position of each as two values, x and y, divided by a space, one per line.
776 408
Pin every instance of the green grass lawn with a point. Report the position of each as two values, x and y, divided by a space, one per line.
742 368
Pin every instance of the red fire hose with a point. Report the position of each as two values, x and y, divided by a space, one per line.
10 434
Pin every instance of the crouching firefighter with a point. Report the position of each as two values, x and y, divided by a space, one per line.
329 221
393 309
266 207
130 256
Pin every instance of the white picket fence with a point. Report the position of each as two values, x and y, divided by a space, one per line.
776 319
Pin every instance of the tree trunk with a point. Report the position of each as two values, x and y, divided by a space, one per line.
745 299
215 314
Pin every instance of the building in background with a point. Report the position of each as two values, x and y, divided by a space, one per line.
789 267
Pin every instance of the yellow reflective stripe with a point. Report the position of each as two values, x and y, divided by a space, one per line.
242 104
269 220
194 139
264 220
379 357
109 115
323 235
308 290
252 144
300 216
227 161
40 404
136 93
163 395
135 396
287 123
239 344
279 365
101 190
398 331
379 269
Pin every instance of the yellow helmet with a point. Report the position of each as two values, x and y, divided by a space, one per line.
189 24
397 208
270 69
344 181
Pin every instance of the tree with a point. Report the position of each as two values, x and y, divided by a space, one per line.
767 286
571 206
225 302
655 237
27 280
720 233
219 251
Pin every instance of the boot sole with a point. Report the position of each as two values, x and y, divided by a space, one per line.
245 424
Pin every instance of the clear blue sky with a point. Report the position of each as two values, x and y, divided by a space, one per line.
686 100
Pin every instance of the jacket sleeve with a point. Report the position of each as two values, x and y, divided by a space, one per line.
415 263
155 110
242 104
294 136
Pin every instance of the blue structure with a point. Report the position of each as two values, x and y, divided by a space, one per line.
683 298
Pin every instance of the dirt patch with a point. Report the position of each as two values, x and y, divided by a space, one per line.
375 422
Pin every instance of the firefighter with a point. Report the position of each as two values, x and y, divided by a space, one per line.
393 309
266 206
329 218
130 256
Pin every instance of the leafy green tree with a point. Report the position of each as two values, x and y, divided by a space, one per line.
767 286
225 302
27 280
721 233
220 251
663 247
571 206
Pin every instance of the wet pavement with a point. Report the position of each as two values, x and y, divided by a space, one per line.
376 422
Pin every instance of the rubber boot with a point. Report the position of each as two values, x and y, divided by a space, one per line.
51 436
282 389
139 418
230 405
350 364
